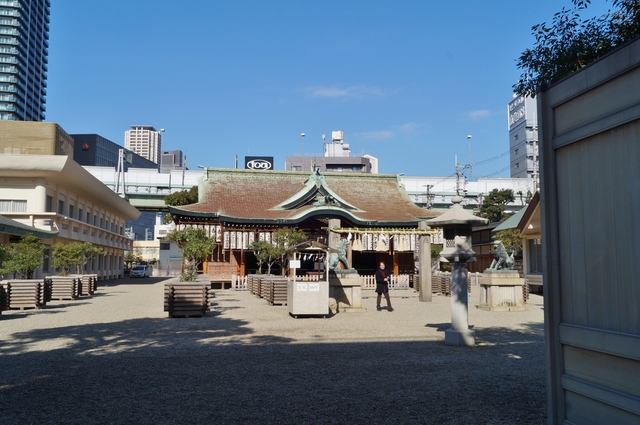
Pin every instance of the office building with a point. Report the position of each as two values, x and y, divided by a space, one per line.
95 150
144 140
24 43
523 137
171 160
335 158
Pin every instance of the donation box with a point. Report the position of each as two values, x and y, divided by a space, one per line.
308 298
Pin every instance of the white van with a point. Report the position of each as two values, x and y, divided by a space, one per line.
141 271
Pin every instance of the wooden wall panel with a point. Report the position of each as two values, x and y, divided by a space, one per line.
590 211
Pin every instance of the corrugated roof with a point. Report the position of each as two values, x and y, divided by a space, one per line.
292 196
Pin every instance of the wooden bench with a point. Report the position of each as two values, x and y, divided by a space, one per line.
187 299
64 287
87 283
24 293
274 290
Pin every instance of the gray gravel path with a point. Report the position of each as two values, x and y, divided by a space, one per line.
115 358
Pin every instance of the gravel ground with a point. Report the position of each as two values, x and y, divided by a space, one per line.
115 358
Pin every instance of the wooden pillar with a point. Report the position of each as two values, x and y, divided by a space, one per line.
424 260
243 255
333 236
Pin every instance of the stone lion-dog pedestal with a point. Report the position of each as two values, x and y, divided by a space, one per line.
345 288
501 290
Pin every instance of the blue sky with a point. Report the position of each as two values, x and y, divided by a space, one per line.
406 81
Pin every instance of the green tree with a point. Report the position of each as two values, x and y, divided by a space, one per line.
195 246
89 253
24 257
265 254
495 203
511 239
131 258
65 256
184 197
284 241
571 42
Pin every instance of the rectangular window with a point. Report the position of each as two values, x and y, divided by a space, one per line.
80 213
13 206
72 210
49 204
535 256
60 207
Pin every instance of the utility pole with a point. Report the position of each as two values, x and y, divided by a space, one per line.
470 166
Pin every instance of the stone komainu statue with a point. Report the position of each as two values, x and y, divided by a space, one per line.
500 257
340 255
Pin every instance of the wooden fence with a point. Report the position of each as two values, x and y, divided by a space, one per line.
397 282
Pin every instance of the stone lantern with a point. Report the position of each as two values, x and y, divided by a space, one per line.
456 226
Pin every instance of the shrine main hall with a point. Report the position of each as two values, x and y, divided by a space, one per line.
371 211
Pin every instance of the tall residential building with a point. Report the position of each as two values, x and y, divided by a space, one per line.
523 137
24 44
144 140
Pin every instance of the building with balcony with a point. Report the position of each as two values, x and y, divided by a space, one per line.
523 138
52 193
145 141
24 44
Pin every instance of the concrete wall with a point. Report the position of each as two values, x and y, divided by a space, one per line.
590 203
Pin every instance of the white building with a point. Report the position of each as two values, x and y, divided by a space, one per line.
523 137
54 193
145 141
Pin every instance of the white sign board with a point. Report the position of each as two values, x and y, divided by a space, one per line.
294 264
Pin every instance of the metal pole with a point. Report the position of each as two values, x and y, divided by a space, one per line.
470 166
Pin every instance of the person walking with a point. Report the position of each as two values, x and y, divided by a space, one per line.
382 286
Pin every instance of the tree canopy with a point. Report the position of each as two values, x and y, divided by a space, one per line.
571 42
495 203
184 197
283 244
195 246
76 254
24 257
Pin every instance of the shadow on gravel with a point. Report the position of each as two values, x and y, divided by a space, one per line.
214 370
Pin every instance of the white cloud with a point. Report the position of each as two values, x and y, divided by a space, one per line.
478 114
354 92
409 127
376 135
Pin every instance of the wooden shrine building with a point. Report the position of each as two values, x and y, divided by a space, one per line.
239 206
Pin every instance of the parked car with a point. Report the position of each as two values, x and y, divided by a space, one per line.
140 271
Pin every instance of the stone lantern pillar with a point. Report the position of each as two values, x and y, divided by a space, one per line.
456 225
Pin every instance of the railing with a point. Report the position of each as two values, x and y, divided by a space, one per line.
397 282
241 283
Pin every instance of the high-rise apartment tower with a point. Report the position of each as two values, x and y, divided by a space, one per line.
24 44
144 140
523 137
